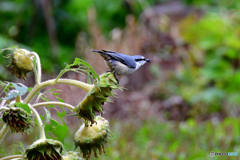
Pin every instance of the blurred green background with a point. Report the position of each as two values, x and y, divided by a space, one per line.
182 105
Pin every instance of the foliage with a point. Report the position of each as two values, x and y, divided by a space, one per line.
174 140
234 4
20 89
206 76
169 140
52 127
17 114
212 79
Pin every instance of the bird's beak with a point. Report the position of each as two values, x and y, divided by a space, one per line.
147 60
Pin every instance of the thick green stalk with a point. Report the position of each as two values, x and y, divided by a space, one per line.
3 132
53 103
38 73
18 98
40 124
86 87
13 157
3 103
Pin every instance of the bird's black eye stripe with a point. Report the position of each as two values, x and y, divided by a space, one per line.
141 59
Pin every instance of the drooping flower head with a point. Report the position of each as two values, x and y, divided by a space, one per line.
17 119
94 138
21 62
45 149
94 100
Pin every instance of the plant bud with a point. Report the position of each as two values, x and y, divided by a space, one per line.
45 149
94 100
17 119
93 138
21 63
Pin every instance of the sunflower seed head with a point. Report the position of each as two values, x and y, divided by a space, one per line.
93 139
21 63
45 149
94 100
17 119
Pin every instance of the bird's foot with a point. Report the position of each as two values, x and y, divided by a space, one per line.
115 75
117 80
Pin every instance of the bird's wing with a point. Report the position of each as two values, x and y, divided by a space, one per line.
120 57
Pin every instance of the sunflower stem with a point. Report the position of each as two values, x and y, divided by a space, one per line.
53 103
40 124
84 121
38 73
3 132
3 108
18 98
2 103
86 87
14 156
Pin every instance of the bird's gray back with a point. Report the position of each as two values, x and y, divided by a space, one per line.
125 59
137 57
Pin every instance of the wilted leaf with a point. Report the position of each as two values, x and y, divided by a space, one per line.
21 89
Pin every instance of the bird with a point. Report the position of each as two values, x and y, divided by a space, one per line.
121 64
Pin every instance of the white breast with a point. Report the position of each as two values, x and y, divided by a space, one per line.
119 68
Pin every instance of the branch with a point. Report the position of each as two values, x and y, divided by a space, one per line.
40 124
38 75
53 103
14 156
42 85
3 132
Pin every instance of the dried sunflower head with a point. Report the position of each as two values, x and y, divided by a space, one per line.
94 100
93 138
45 149
21 62
17 119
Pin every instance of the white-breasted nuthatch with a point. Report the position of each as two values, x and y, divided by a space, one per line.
120 63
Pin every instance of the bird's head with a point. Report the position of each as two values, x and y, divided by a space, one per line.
140 60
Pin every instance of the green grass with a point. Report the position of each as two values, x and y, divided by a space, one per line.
153 140
171 140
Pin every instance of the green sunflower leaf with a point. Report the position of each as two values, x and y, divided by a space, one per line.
56 130
47 117
23 106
